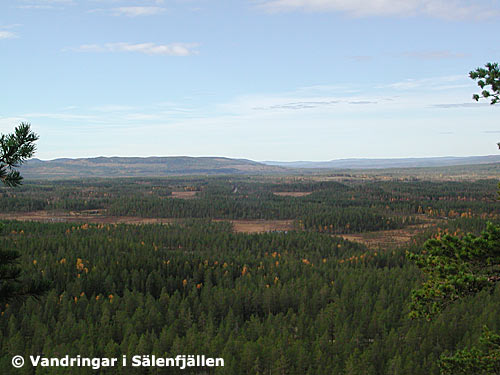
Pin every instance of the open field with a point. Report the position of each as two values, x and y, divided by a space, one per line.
81 217
376 211
184 194
293 193
389 238
240 226
260 226
372 239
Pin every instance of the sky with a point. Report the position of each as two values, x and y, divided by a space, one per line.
257 79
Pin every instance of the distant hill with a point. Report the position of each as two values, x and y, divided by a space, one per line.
184 165
142 167
389 163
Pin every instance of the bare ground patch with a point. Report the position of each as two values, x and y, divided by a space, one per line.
81 217
99 217
375 239
261 226
388 238
292 193
184 194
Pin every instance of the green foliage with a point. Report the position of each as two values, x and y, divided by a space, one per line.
483 359
487 77
463 267
15 149
334 208
9 274
12 285
279 303
298 302
455 268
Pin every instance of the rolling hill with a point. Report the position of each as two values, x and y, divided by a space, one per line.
141 167
389 163
184 165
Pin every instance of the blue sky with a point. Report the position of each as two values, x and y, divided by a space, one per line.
258 79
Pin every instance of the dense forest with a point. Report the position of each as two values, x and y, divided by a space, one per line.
329 206
304 301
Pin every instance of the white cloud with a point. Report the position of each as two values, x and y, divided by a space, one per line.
58 116
173 49
33 6
11 26
343 101
315 104
7 124
7 35
298 105
437 83
112 115
44 4
137 11
450 9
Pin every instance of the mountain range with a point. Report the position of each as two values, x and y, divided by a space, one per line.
184 165
389 163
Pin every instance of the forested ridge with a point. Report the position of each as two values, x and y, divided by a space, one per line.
298 302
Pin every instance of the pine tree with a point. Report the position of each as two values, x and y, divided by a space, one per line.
487 76
483 359
456 268
15 149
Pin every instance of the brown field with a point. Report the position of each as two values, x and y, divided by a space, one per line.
292 193
388 238
184 194
99 217
89 216
371 239
260 226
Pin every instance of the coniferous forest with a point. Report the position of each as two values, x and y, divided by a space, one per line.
307 299
249 187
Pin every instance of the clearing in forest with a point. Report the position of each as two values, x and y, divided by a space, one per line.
389 238
183 194
98 217
292 193
376 239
